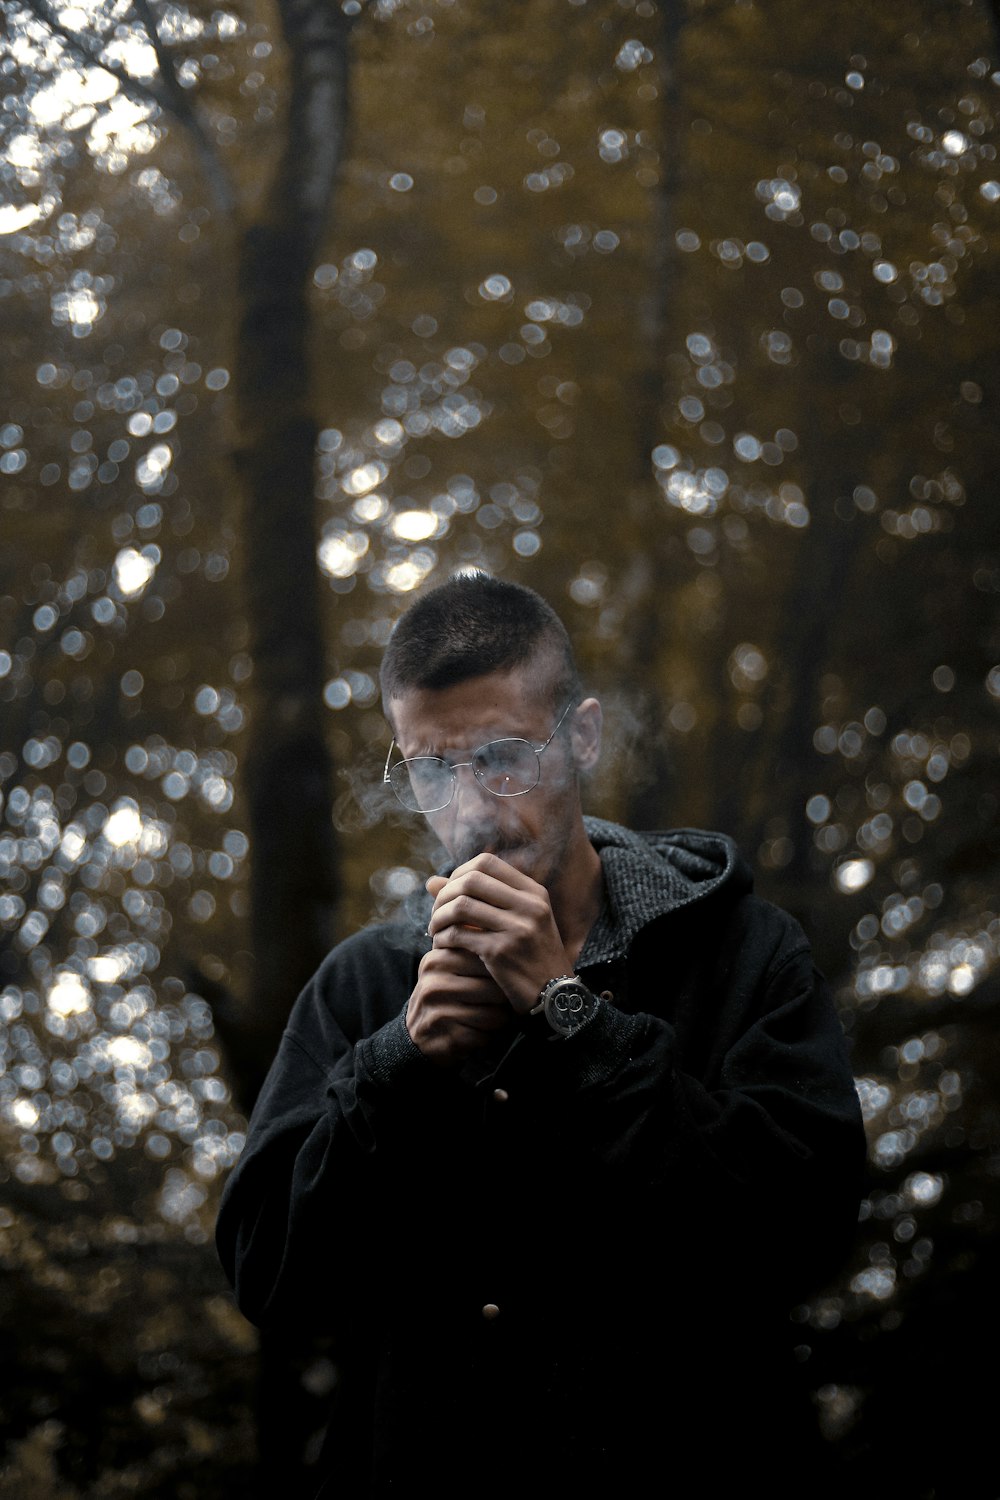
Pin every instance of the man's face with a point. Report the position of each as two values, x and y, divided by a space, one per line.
531 832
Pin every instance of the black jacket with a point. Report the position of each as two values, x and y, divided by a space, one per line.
555 1270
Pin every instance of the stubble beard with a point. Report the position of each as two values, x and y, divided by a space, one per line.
541 859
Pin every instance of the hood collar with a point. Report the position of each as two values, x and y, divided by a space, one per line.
649 874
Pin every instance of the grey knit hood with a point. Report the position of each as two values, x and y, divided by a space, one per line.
648 874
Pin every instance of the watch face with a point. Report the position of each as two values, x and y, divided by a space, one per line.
568 1006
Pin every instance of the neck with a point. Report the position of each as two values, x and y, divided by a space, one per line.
577 892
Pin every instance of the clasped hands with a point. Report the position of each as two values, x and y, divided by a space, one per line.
495 943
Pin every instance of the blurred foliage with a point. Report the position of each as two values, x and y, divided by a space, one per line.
684 314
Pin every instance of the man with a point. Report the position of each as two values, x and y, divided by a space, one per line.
551 1165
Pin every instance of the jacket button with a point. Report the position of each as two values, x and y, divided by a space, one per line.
607 995
501 1096
491 1311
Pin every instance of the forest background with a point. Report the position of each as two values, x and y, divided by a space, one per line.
684 313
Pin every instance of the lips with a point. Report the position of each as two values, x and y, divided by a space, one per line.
488 843
520 856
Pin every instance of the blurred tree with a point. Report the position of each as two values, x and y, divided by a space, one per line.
273 236
288 781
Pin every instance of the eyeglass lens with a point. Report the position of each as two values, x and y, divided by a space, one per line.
507 768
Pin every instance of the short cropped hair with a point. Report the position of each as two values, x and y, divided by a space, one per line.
472 625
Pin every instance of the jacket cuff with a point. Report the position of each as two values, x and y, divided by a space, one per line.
391 1055
601 1048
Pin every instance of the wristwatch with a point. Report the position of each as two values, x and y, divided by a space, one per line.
566 1004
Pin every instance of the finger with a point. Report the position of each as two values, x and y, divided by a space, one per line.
445 1037
495 867
457 938
449 1013
435 883
492 892
460 962
456 973
464 910
480 885
461 990
482 1017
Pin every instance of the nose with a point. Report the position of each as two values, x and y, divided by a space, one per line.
473 811
469 791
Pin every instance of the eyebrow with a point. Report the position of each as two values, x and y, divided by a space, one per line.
450 754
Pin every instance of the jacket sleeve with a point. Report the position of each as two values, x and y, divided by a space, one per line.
301 1221
749 1133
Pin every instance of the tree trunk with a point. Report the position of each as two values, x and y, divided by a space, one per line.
648 587
288 771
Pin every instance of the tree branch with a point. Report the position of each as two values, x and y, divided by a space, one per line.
179 105
170 98
142 93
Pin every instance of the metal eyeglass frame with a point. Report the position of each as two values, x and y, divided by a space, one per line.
456 766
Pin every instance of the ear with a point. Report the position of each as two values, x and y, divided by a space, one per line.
585 734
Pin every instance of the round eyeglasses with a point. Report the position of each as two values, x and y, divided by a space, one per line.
507 768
